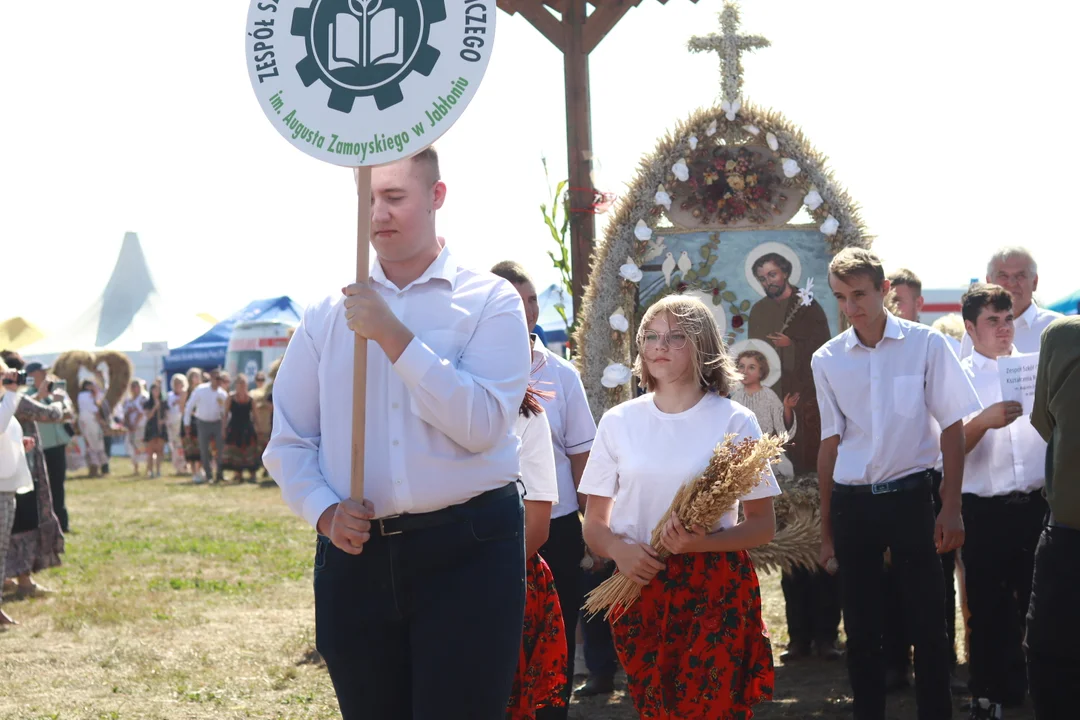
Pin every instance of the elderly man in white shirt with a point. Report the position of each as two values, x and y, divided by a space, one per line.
420 588
207 406
1014 269
1003 510
573 430
880 385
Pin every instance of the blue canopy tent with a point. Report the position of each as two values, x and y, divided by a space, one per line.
1068 305
208 350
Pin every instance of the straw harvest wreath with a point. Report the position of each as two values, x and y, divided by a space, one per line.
730 166
110 370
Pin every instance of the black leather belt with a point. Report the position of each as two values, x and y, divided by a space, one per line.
918 481
409 522
1013 498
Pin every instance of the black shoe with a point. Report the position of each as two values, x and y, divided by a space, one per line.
596 686
983 709
795 651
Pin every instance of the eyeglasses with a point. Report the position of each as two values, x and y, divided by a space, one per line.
676 339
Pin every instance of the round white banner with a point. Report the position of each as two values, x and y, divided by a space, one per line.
367 82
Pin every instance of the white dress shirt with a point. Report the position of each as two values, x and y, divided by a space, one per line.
572 426
882 401
1029 326
14 470
537 458
207 403
642 456
440 420
1006 460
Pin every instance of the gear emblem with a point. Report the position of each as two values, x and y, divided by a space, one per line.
362 48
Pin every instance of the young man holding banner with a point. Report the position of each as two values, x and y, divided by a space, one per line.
420 589
1003 509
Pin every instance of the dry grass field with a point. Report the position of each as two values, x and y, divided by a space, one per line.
181 602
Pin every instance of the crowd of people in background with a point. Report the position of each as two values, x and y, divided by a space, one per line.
58 433
1001 543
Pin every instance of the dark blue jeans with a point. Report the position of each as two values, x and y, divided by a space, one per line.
427 624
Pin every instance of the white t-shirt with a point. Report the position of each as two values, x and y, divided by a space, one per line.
175 409
537 458
572 426
642 456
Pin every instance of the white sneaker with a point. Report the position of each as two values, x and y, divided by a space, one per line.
198 478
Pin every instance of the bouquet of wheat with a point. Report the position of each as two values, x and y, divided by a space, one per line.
734 470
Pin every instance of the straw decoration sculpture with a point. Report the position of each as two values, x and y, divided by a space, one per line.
734 470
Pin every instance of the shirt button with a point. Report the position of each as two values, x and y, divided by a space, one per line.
398 481
395 406
395 443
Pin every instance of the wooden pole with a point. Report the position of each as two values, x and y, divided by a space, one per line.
360 356
578 145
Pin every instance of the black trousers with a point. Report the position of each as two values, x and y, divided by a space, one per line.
108 452
426 625
864 525
812 606
897 639
563 552
601 660
56 465
1053 625
999 559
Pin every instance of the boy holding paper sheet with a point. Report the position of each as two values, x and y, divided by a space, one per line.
1003 508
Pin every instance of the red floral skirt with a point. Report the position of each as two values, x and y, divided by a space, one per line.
541 673
694 647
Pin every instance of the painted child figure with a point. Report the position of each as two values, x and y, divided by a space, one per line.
541 672
773 416
694 645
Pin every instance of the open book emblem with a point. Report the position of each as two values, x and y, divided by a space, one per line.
364 48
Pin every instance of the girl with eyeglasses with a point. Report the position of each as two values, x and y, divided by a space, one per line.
695 644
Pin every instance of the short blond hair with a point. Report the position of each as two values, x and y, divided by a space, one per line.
713 365
181 378
853 261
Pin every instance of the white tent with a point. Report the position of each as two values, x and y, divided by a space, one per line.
128 313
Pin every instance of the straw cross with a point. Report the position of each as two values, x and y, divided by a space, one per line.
729 46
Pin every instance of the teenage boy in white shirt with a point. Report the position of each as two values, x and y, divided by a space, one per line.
1003 510
880 384
419 588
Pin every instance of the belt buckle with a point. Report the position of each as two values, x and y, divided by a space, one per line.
382 526
881 488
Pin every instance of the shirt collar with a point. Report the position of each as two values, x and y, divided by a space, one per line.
893 331
1029 315
537 346
444 267
982 362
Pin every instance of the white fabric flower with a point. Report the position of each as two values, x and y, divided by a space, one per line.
642 231
711 130
662 197
773 143
618 321
615 375
731 109
693 142
830 226
752 129
791 168
682 172
813 199
806 294
631 271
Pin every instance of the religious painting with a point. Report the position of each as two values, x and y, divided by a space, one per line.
760 285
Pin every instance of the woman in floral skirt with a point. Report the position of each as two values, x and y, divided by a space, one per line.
542 663
188 433
694 646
